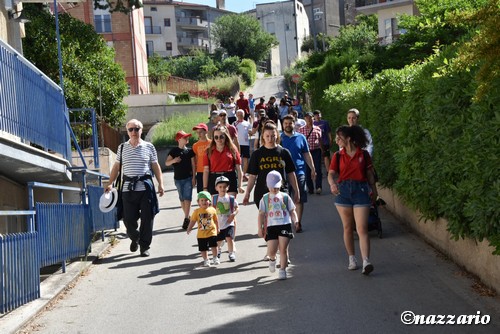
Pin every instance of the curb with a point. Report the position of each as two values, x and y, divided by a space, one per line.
52 287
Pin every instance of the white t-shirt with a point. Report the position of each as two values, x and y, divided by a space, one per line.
223 208
243 128
230 109
277 212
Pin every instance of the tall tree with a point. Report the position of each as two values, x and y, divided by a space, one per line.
241 35
89 69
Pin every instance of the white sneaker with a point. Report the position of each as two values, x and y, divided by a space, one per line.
215 261
232 256
282 274
353 264
272 265
206 263
367 267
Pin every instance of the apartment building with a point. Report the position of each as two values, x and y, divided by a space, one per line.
176 28
327 16
125 33
388 12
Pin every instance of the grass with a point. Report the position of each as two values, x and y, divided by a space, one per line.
164 134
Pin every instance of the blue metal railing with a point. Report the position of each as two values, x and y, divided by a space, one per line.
100 220
32 106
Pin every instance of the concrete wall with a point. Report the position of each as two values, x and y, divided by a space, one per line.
12 197
475 257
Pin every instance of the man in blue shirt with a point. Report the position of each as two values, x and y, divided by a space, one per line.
296 143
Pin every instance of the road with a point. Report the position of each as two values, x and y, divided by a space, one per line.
169 292
267 87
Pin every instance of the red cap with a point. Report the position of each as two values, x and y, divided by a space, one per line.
241 93
201 126
181 134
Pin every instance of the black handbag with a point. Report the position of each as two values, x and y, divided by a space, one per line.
119 186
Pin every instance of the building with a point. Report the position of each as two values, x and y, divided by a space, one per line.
176 28
388 12
327 16
125 33
289 22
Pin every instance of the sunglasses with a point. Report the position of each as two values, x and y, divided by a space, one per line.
219 137
133 129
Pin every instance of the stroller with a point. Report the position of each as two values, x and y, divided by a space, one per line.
374 222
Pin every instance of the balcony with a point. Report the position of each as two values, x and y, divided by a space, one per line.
369 7
192 41
153 30
192 22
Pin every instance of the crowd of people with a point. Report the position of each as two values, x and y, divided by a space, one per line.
282 169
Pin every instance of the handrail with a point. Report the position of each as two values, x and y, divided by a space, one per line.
32 213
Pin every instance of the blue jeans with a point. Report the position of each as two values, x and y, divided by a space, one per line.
316 157
353 194
185 189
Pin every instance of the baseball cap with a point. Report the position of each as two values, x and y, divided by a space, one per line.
205 195
201 126
273 179
310 114
222 112
213 113
317 112
241 93
221 179
181 134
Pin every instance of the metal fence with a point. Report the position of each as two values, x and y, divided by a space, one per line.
100 220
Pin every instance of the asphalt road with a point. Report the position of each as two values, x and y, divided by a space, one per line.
170 293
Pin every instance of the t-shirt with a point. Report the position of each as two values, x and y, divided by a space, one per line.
325 131
183 169
277 212
264 160
297 145
231 109
223 208
199 149
137 161
222 161
206 220
243 104
243 128
351 168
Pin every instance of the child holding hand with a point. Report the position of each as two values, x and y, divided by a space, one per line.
208 228
276 213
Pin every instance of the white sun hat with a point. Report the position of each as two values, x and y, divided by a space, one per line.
108 200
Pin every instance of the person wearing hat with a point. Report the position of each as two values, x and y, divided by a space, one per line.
138 158
326 136
212 123
199 149
227 209
243 104
208 228
182 159
261 106
314 140
276 214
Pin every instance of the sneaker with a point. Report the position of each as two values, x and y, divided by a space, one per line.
215 261
267 258
282 274
367 267
272 266
185 224
134 246
232 257
206 263
219 251
144 253
353 265
318 191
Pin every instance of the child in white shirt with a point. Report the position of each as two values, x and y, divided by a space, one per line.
227 209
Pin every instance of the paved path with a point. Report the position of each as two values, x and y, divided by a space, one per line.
169 293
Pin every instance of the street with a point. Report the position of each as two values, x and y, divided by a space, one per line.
170 293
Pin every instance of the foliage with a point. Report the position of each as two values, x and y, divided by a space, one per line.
248 71
321 40
89 68
242 35
158 69
230 65
183 97
123 6
164 133
222 87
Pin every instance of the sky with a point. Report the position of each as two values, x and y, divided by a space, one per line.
236 6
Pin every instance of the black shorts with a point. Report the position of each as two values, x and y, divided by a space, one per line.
205 243
245 151
326 151
273 232
226 233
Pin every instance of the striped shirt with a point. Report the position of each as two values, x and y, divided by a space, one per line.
313 136
137 161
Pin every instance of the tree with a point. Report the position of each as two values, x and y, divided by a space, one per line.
241 35
118 5
88 63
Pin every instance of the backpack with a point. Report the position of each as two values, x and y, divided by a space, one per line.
215 198
365 154
285 200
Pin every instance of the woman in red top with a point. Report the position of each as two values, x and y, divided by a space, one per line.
222 159
352 181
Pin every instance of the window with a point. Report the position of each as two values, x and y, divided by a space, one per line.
154 9
102 23
166 22
150 48
168 46
270 27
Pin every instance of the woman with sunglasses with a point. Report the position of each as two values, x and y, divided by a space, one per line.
222 159
352 181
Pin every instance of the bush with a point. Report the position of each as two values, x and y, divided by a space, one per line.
164 134
248 71
183 97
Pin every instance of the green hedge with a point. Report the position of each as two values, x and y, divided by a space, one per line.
436 146
248 71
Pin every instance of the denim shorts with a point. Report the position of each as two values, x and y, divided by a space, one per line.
301 183
353 194
185 189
